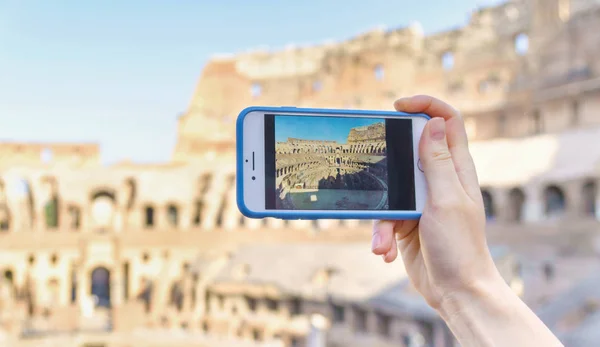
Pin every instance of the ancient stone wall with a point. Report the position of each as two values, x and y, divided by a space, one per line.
497 70
48 154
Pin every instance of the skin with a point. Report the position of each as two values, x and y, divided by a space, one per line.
446 253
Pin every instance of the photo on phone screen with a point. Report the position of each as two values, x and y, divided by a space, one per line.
338 163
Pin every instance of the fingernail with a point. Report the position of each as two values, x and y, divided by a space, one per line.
376 241
437 129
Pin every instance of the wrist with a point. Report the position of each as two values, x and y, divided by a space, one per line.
491 292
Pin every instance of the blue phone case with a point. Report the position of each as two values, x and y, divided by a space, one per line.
307 214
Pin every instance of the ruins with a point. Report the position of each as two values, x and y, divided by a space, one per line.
158 255
323 175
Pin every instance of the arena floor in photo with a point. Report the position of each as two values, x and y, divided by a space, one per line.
327 199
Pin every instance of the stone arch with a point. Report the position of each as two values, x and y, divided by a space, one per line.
100 286
488 204
516 198
51 202
103 209
173 215
554 201
589 196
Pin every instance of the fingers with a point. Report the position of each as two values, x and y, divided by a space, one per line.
383 237
456 136
438 166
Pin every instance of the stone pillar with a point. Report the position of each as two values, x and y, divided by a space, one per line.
83 278
317 334
501 201
573 191
86 221
534 204
185 217
116 276
40 218
119 220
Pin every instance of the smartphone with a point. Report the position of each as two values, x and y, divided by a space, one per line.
299 163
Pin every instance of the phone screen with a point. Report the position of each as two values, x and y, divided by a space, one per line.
339 163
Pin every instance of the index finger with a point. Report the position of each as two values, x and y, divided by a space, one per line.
456 133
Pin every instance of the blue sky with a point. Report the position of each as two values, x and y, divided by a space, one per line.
119 72
318 128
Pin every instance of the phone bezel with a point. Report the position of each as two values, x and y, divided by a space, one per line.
250 163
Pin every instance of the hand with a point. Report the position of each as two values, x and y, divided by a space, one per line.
445 253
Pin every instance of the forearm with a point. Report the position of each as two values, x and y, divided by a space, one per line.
492 315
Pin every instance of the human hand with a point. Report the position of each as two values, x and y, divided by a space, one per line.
445 253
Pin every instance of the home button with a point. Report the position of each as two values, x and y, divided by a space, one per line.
420 166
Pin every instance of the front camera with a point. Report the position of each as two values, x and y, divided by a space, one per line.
253 178
246 160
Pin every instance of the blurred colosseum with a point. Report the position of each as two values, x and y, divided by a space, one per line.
158 255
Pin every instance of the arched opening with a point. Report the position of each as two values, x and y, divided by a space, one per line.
488 204
4 217
145 294
448 61
176 296
149 216
51 206
100 286
103 209
173 216
516 199
24 194
522 44
9 279
379 72
590 196
554 202
74 217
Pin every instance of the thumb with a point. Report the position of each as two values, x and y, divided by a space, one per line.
440 173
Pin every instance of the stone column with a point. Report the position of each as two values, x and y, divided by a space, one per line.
83 278
86 220
573 191
40 217
160 220
316 336
185 217
501 201
116 276
534 204
119 220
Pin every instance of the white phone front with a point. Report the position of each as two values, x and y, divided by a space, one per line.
326 164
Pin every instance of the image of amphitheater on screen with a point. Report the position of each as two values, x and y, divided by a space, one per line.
330 163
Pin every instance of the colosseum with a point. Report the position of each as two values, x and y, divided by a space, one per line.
158 255
321 175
